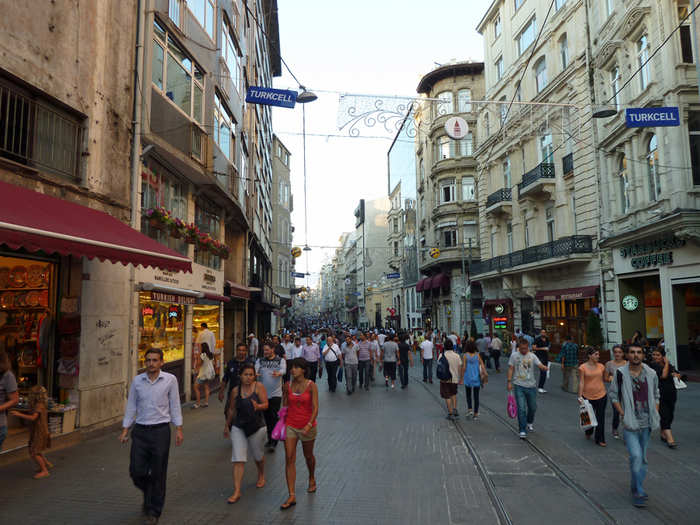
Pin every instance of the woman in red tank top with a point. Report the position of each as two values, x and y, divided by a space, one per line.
300 396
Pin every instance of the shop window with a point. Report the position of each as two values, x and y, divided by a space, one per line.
161 325
176 75
623 177
464 100
642 61
208 220
653 169
694 135
204 12
35 132
159 189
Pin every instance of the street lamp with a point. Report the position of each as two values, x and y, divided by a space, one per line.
303 98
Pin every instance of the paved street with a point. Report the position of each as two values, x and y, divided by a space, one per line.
382 457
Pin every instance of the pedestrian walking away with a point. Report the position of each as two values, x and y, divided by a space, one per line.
301 398
375 354
634 393
246 427
153 404
541 347
232 374
9 396
568 357
405 360
39 437
312 354
271 369
482 344
426 357
611 368
204 369
364 358
472 372
521 379
449 386
389 357
349 349
591 386
667 393
333 359
207 336
496 347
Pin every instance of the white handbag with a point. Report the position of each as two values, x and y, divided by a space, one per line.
586 416
679 383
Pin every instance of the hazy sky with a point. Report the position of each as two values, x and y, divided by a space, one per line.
380 47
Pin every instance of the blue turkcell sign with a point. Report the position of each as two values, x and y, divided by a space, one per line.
271 97
298 274
652 117
395 275
358 294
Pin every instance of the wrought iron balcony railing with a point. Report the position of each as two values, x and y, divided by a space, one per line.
504 194
544 170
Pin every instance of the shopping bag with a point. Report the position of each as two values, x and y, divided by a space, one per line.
512 407
279 433
340 374
679 383
586 417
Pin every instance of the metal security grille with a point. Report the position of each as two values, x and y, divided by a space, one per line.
15 114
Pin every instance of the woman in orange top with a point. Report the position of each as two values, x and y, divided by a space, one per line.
591 386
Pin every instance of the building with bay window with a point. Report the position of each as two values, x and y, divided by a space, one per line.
446 198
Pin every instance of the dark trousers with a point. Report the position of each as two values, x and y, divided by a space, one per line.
363 373
543 356
616 419
312 370
271 416
496 354
474 389
403 374
332 370
150 446
428 370
667 406
599 409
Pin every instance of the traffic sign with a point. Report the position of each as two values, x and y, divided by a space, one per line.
271 97
652 117
395 275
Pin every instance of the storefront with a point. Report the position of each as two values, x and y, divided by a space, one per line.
565 312
498 317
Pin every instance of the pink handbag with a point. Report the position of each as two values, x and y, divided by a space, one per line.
512 407
279 433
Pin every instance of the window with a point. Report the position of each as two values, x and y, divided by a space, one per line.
507 181
509 237
208 220
464 100
564 51
549 217
159 189
174 11
229 52
527 36
443 148
497 27
468 189
574 228
685 36
652 164
493 244
466 145
624 186
694 132
396 248
615 86
518 93
558 4
421 171
444 107
546 149
447 191
469 232
487 125
36 133
224 129
395 224
642 57
205 12
528 232
609 6
541 74
449 238
503 109
177 75
499 68
518 3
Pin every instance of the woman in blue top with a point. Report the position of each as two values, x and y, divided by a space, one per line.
472 371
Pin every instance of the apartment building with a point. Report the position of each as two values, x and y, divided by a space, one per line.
537 190
649 176
282 230
446 208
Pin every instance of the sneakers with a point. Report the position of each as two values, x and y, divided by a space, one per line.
475 417
541 390
616 434
522 435
196 405
470 412
450 417
530 428
639 501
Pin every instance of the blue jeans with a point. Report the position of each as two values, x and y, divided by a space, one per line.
3 435
636 442
526 399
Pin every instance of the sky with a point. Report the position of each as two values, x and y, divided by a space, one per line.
379 47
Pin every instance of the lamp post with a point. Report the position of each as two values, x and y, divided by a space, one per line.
303 98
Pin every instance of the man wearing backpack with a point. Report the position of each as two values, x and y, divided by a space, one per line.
448 373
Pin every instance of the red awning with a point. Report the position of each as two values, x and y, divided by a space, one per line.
216 297
35 222
441 280
489 302
567 294
427 284
237 290
420 285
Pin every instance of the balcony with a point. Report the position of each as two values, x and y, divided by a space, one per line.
567 163
566 247
538 182
500 202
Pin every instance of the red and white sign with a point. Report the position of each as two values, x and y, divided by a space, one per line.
456 128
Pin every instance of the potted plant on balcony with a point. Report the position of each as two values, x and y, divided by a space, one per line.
204 242
159 218
176 228
220 249
191 233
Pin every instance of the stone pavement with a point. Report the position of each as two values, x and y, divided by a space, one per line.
382 457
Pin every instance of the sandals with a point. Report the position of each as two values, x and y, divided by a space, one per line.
671 444
291 501
260 485
233 499
312 487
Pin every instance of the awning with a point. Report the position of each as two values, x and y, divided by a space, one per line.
441 280
35 222
427 284
567 294
353 309
491 302
236 290
420 285
216 297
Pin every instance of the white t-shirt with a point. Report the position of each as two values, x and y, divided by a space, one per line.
288 350
427 348
207 336
297 351
381 338
332 355
453 338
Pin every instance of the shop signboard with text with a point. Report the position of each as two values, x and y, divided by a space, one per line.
647 253
652 117
282 98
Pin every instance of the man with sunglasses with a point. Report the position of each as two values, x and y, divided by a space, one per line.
634 393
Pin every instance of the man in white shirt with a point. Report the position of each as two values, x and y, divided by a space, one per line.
381 338
207 336
426 357
333 359
253 346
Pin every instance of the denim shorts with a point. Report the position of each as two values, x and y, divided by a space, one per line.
3 435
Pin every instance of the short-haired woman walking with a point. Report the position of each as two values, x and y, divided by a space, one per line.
592 379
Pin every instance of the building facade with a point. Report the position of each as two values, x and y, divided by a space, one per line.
446 207
282 230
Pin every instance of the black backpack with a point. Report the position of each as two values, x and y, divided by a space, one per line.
443 369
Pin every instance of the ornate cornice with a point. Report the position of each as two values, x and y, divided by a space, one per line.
606 52
631 20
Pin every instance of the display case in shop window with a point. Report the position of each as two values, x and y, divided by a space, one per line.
161 325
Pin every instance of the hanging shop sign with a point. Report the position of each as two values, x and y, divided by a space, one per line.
652 117
456 128
500 322
395 275
499 308
654 252
630 303
271 97
298 275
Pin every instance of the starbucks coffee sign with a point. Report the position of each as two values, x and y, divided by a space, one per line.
651 253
